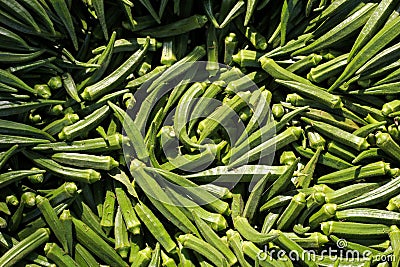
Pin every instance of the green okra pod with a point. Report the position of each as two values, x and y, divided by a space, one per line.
57 255
351 229
94 243
212 238
296 205
52 221
85 160
84 125
339 135
348 192
14 176
394 235
376 43
374 196
385 142
122 245
155 226
66 222
368 215
235 242
245 229
103 86
327 212
313 92
109 208
354 173
26 246
81 175
83 257
128 213
176 28
253 200
276 202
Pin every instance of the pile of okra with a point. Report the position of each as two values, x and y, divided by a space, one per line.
314 170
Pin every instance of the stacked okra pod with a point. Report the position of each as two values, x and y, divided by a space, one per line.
116 118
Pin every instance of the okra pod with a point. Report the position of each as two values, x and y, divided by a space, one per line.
57 255
86 160
351 229
94 243
339 135
354 173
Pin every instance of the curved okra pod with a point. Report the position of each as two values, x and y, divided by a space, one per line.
203 248
243 226
369 128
